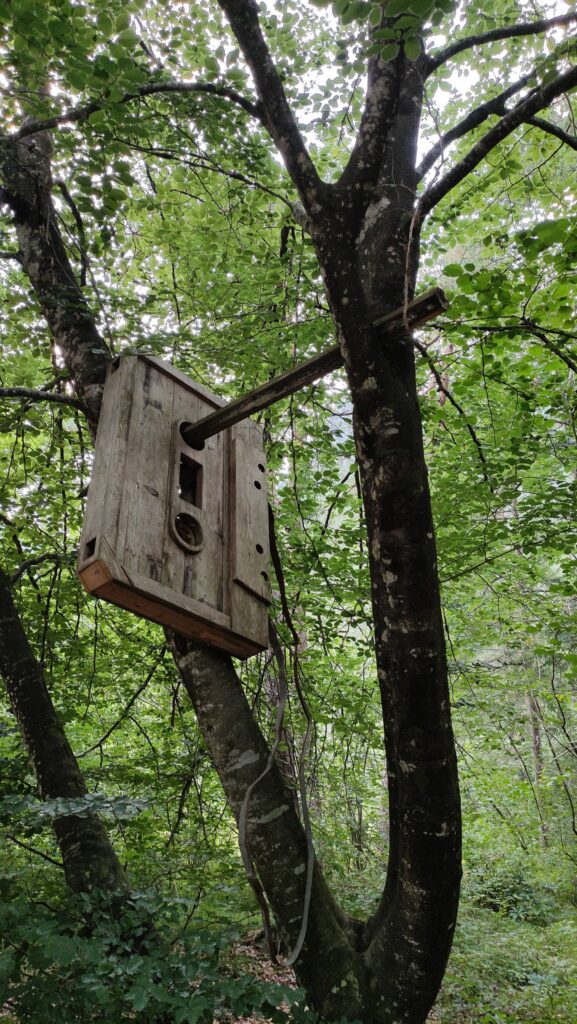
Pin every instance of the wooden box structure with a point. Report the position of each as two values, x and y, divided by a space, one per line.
177 534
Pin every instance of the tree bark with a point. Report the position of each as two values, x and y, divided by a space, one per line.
26 187
88 857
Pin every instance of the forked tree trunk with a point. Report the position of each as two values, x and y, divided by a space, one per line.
365 231
389 968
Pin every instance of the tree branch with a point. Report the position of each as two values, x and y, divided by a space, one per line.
381 106
551 345
82 112
87 855
80 228
494 35
553 129
538 99
34 395
278 117
471 121
38 560
445 391
32 849
125 711
26 177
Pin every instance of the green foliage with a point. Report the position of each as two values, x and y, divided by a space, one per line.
100 958
509 887
523 975
184 211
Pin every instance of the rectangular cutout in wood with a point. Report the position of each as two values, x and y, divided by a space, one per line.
190 481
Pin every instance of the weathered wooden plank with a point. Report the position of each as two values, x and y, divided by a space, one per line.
417 312
144 503
189 605
105 490
175 375
182 621
200 573
147 478
249 519
249 546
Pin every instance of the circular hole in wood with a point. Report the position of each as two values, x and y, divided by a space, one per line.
260 549
261 467
258 485
198 447
265 576
188 531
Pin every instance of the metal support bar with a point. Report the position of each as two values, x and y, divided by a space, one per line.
426 307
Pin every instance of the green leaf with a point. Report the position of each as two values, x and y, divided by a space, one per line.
412 47
128 38
385 33
122 21
355 11
390 52
407 21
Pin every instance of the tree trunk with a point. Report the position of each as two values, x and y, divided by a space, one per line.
328 967
389 969
88 857
25 174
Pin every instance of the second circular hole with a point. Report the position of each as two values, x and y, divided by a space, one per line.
189 530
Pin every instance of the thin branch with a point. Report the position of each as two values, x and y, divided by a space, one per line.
126 710
551 345
528 28
34 395
38 853
477 565
441 387
488 559
278 117
38 560
206 163
80 228
538 99
471 121
553 129
7 254
80 113
180 810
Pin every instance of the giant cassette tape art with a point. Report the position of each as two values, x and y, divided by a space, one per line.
174 531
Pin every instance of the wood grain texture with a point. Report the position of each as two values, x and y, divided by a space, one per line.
161 520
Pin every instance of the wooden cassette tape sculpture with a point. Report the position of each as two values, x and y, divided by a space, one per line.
176 533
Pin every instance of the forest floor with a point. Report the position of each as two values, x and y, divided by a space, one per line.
252 957
501 971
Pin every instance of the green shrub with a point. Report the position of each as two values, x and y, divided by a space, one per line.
91 961
509 887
